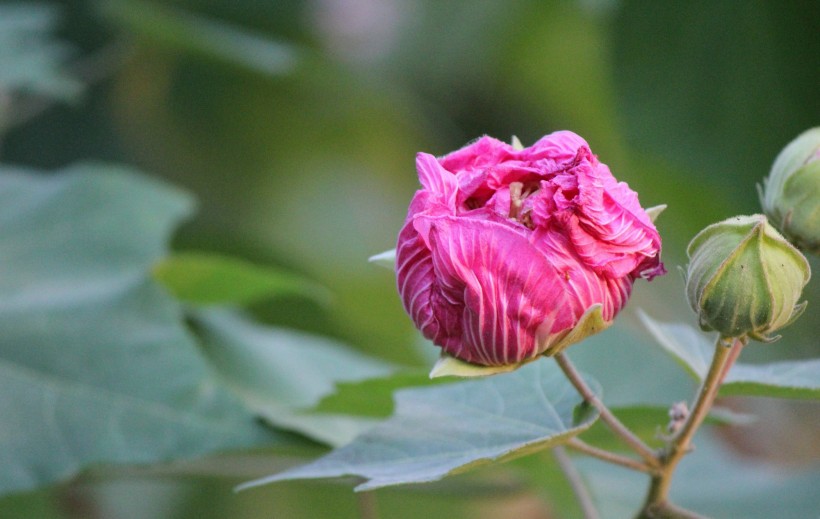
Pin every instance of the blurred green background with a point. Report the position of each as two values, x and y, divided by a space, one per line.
295 123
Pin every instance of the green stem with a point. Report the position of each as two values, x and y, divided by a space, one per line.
576 482
643 450
367 505
610 457
657 505
668 511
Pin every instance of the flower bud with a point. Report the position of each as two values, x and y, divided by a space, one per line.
791 194
509 253
744 278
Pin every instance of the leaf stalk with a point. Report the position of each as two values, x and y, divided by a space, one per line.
642 449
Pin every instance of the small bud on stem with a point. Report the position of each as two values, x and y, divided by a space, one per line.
791 194
744 279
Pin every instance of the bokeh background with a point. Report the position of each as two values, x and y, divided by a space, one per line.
295 124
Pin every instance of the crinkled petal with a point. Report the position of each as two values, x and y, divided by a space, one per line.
557 148
609 229
478 155
585 286
437 181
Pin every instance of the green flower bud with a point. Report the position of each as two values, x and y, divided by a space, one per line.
744 279
791 194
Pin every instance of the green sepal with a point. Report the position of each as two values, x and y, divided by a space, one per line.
591 322
655 211
386 259
447 365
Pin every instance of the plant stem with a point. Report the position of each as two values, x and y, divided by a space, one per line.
642 449
611 457
734 353
657 504
668 511
576 482
367 505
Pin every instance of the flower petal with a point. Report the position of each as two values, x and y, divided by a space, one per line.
437 181
415 279
509 294
558 149
479 155
609 229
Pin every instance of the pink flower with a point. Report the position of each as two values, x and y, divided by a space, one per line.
503 250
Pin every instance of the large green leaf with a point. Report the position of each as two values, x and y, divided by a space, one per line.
95 363
447 429
694 350
278 373
374 396
203 278
30 59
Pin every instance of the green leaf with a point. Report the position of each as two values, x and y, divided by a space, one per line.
204 279
786 379
279 373
373 397
183 30
30 59
96 365
448 429
693 350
